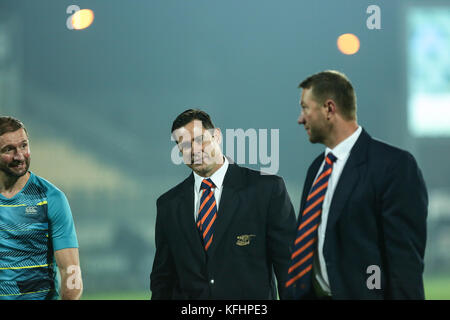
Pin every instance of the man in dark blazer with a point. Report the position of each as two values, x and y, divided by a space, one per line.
366 239
252 219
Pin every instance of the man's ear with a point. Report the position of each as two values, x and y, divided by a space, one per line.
218 135
174 138
330 106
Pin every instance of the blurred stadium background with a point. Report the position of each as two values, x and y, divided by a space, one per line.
99 103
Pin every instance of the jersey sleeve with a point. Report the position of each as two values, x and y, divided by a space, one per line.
62 227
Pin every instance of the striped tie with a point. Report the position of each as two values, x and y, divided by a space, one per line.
207 213
299 273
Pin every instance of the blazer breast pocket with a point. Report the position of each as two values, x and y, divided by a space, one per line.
244 239
247 238
247 245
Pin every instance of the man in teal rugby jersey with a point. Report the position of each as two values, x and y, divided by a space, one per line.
37 233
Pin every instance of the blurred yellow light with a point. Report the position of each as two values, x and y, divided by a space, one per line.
82 19
348 43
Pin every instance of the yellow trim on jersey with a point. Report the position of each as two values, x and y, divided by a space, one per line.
19 294
13 205
28 267
22 205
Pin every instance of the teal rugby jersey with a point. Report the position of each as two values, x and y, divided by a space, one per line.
33 224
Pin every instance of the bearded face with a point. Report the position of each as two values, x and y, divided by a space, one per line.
14 153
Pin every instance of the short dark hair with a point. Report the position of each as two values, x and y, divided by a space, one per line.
10 124
192 114
333 84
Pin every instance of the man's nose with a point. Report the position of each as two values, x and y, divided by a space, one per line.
301 119
197 144
19 155
197 147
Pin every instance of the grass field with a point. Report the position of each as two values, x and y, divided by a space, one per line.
435 289
117 296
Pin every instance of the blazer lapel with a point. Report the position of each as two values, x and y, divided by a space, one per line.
348 179
185 211
229 203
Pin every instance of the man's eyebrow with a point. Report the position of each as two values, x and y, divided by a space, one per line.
192 139
6 146
12 144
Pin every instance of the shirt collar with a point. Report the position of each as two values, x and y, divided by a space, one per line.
217 177
343 149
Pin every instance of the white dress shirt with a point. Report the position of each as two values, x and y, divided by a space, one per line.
217 178
341 152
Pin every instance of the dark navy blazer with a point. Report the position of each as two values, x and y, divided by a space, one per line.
377 218
254 230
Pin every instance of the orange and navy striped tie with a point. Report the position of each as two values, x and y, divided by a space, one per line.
305 245
207 213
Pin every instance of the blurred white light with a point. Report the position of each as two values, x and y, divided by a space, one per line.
429 71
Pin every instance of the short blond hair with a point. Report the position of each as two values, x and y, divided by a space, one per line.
332 84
